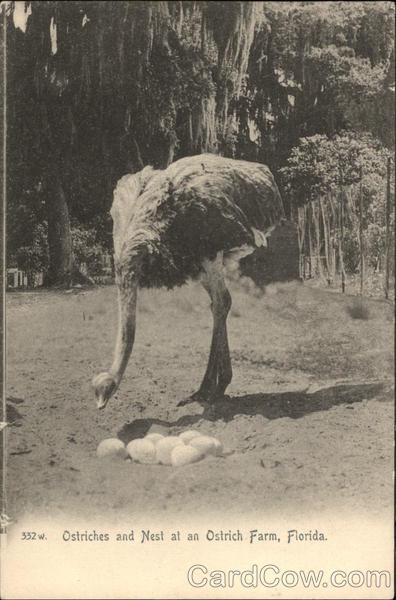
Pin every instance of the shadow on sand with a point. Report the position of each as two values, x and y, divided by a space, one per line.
272 406
13 415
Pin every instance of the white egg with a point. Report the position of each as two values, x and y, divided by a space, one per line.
187 436
154 437
205 444
142 451
184 455
164 449
111 447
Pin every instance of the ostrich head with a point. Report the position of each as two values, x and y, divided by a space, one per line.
104 386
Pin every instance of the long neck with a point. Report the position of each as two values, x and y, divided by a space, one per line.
127 297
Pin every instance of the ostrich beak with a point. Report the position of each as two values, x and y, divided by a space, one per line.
101 402
104 385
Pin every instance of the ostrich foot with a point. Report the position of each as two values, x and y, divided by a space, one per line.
203 397
104 385
196 397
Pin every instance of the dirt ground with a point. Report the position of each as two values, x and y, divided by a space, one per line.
308 423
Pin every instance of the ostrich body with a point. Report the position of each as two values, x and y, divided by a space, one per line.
181 223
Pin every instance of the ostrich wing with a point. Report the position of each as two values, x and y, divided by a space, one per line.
244 188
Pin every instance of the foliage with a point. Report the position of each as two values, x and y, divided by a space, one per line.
33 258
351 252
375 242
320 165
318 69
87 250
101 89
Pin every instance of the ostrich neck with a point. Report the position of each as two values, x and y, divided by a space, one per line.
127 298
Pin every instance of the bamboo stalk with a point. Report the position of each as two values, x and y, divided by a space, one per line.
310 238
316 221
341 243
332 230
361 233
326 240
301 236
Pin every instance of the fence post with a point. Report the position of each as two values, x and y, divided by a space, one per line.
361 232
387 217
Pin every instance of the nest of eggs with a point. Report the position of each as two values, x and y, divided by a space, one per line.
155 448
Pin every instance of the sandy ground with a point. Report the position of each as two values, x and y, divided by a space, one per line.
308 424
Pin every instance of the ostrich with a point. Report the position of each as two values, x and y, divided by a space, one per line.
182 223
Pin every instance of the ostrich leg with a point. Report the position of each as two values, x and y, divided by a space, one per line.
219 372
105 384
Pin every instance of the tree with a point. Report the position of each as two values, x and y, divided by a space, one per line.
320 169
98 89
317 68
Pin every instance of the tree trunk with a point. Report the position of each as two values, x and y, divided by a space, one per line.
341 242
332 223
310 246
301 236
326 240
59 238
361 233
60 246
316 222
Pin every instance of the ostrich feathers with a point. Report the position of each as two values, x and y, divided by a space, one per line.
175 218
